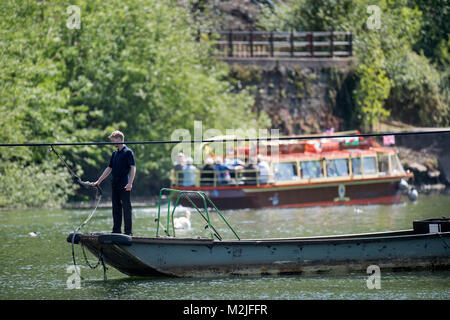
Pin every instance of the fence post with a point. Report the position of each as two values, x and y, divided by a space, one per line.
251 42
230 43
311 44
331 43
271 43
347 45
292 43
350 40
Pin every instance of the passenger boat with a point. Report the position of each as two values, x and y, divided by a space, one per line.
334 171
426 246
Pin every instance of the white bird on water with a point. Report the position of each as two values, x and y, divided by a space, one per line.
183 222
357 210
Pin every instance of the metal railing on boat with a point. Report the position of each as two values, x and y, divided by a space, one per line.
214 178
206 216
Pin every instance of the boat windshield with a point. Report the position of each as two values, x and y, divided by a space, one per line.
396 165
369 165
311 169
337 167
383 163
356 166
285 171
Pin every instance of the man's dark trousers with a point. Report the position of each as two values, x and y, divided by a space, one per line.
121 200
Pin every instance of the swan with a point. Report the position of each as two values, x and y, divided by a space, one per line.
357 210
183 222
413 194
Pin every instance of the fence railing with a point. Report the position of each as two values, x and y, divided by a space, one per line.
215 178
263 44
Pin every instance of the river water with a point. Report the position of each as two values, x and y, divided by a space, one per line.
36 267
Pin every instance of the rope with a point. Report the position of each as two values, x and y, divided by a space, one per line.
100 260
98 197
404 133
86 259
85 184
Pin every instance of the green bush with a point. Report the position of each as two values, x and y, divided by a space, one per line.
394 64
133 66
34 185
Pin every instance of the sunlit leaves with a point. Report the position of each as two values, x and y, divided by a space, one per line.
133 66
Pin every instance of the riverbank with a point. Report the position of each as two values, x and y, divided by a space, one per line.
426 156
424 164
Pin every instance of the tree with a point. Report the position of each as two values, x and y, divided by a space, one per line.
133 66
392 78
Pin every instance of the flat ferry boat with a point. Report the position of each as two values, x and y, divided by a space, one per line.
301 173
424 247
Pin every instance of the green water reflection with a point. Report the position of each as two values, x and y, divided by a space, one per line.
36 267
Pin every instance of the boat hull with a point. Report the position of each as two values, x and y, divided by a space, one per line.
376 191
186 257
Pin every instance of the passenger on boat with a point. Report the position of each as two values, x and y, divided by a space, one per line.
250 172
178 169
207 173
222 172
189 173
263 168
234 164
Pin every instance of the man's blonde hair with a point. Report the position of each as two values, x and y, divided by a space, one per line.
117 134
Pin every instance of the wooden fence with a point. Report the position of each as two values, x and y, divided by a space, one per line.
262 44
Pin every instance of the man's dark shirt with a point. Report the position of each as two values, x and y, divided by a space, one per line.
120 163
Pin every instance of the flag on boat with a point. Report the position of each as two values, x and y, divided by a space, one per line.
352 141
388 140
329 131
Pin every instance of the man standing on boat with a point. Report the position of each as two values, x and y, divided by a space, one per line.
123 169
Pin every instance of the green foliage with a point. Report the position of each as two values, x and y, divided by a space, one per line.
133 66
392 78
416 97
373 89
34 185
434 32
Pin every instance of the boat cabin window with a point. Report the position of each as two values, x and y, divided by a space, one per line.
383 163
356 166
311 169
337 167
396 165
285 171
369 165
